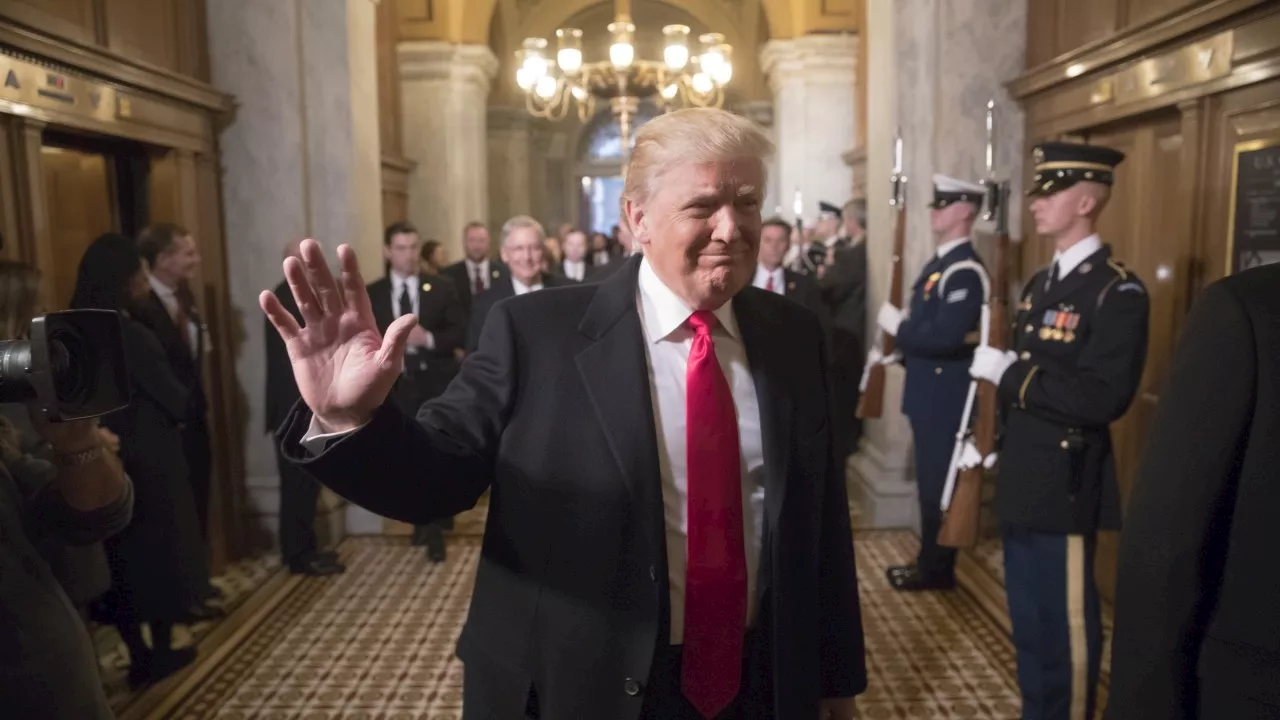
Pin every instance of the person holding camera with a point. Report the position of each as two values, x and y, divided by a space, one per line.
48 667
159 568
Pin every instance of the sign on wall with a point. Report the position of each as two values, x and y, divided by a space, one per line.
1254 233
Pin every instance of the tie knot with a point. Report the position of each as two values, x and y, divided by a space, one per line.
702 322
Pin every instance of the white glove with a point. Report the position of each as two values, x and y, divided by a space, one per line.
990 364
889 319
970 457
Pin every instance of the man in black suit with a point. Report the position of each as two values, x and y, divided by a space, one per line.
298 490
625 248
170 311
771 275
475 273
575 264
668 535
843 283
1198 595
442 325
522 242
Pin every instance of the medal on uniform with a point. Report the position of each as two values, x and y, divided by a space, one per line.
928 285
1059 322
1050 317
1073 321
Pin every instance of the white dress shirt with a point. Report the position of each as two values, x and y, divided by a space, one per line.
575 270
169 298
600 257
669 340
483 266
1071 258
521 288
411 282
761 279
950 245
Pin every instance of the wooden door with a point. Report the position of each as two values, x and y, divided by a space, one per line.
1148 226
80 206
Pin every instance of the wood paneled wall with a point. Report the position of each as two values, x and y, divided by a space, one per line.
163 34
1174 84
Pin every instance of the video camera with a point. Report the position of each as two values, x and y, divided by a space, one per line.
72 368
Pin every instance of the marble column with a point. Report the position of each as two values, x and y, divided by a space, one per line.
300 157
931 69
444 97
510 165
813 79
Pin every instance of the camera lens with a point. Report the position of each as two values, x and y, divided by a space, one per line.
15 364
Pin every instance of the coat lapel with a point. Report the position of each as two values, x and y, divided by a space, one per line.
760 335
615 372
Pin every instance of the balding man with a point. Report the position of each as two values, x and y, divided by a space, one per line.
298 491
668 535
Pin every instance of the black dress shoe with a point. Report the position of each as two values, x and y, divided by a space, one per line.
437 552
158 665
912 580
202 612
316 566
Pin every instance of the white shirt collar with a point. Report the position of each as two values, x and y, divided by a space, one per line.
1071 258
521 288
164 291
663 312
947 247
472 265
397 280
762 278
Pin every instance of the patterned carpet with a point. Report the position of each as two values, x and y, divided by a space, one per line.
377 643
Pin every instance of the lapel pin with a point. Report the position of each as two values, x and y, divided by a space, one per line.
791 285
426 287
495 274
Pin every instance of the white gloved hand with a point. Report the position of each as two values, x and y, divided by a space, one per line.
990 364
874 355
889 319
969 456
892 358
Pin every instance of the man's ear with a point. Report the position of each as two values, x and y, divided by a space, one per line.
1087 203
635 217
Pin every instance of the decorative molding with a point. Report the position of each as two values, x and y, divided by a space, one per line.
1125 45
812 59
436 60
106 65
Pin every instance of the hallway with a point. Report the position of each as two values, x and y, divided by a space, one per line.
378 642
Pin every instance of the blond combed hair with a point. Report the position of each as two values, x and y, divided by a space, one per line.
689 137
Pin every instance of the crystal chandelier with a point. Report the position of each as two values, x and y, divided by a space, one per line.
679 79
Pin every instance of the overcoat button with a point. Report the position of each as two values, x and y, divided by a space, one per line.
631 687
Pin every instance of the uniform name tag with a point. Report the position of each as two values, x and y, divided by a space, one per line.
956 296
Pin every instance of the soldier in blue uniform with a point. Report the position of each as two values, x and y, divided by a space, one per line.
1079 345
936 340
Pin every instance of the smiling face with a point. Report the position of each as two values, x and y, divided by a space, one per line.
700 228
522 252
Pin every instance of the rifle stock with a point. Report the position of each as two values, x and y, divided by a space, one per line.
961 526
871 403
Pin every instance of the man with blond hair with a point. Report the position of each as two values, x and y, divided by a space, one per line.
668 536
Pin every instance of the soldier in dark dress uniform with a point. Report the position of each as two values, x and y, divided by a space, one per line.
936 341
1080 342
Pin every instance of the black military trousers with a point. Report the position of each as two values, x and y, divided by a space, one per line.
1057 625
934 444
298 495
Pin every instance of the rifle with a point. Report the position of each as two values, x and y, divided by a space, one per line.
871 402
962 495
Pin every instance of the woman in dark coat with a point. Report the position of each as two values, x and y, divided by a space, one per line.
158 564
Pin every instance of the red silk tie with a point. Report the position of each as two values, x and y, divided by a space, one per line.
769 284
479 281
715 605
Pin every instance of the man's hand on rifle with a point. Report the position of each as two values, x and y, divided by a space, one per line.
990 364
889 319
971 457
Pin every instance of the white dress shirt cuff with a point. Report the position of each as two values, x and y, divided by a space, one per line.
431 340
315 442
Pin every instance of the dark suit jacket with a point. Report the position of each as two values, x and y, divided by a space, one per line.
281 391
440 311
499 291
553 415
802 289
186 365
457 272
1196 620
844 289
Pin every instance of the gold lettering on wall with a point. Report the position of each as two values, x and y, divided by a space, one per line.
29 89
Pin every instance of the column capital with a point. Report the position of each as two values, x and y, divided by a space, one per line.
810 59
437 60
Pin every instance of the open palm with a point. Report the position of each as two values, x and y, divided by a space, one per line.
343 366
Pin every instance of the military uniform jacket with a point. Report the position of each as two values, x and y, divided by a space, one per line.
1081 348
939 334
